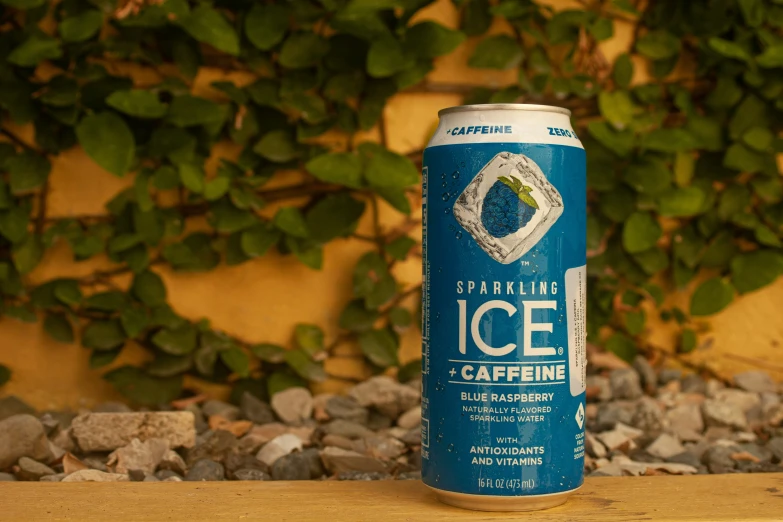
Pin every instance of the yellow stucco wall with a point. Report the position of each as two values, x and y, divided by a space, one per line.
260 300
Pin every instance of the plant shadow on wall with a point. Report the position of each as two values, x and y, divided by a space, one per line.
682 174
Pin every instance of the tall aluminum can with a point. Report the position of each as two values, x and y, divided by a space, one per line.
504 269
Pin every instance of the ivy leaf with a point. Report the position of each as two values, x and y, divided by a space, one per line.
67 291
309 337
27 171
309 253
752 11
166 365
634 321
278 146
188 111
409 371
5 374
271 353
138 103
753 270
340 168
81 27
400 318
658 45
266 24
256 240
192 176
142 388
729 49
148 288
28 254
687 340
622 346
23 4
304 366
107 139
237 361
36 48
386 57
387 169
380 347
291 221
356 317
302 50
134 321
13 224
640 232
496 52
771 57
103 335
399 248
176 341
476 18
623 71
216 188
208 26
431 39
333 216
617 107
58 327
111 301
711 297
681 202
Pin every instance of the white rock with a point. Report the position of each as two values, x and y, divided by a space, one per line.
686 422
293 405
746 401
665 446
620 435
93 475
410 419
594 446
717 413
756 381
109 431
278 447
144 456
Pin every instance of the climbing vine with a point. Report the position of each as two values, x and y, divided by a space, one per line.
684 189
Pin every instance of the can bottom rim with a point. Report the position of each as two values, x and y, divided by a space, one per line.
502 503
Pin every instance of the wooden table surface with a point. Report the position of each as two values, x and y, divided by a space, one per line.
705 498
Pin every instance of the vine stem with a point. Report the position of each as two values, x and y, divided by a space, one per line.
19 141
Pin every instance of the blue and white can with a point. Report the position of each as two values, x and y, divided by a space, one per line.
504 269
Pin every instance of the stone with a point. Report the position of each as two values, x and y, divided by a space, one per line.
56 453
593 446
137 475
609 470
685 457
255 410
30 469
279 447
746 401
13 405
762 453
648 416
713 387
151 478
251 474
338 441
260 435
625 384
95 463
665 446
756 381
174 462
620 436
224 409
7 477
109 431
693 383
610 413
199 421
775 445
164 474
364 476
205 470
386 395
380 447
686 421
112 407
646 372
293 405
346 408
57 477
718 413
378 421
718 458
63 440
93 475
346 428
598 388
337 460
236 428
22 436
303 432
769 404
667 375
409 475
313 457
216 445
144 456
291 467
172 479
413 437
410 419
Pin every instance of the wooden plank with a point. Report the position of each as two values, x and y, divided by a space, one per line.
756 497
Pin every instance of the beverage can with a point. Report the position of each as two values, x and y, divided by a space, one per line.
503 306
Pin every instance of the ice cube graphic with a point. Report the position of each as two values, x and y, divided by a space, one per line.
467 208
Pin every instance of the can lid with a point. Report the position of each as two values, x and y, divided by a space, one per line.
505 107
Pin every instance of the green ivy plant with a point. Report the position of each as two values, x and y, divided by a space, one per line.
684 189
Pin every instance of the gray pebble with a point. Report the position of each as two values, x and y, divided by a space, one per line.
600 383
255 410
57 477
625 383
377 421
686 457
610 413
224 409
7 477
763 453
409 475
775 445
756 381
136 475
13 405
251 474
344 428
205 470
718 458
668 375
646 372
163 474
693 383
347 408
648 416
30 469
363 475
200 422
294 466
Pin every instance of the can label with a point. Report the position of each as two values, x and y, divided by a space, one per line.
504 318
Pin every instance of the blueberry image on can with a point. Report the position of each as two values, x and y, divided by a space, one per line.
507 207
